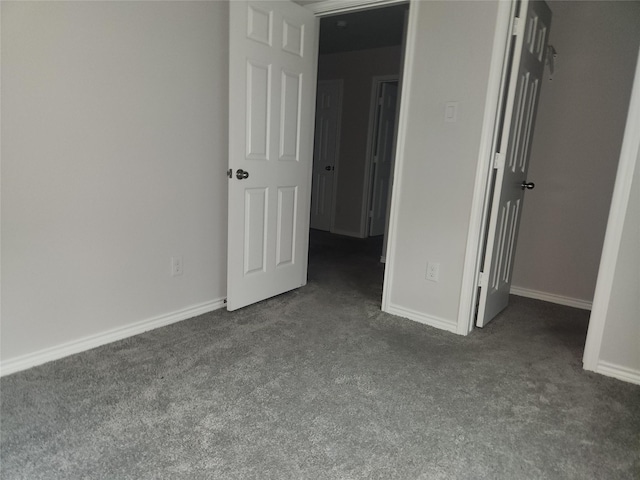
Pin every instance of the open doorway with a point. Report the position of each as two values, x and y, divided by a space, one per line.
560 243
359 69
576 152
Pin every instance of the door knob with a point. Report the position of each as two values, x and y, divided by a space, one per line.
328 168
241 174
528 185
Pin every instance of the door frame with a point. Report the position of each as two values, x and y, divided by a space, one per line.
488 140
482 192
482 196
376 89
332 7
477 222
325 8
615 225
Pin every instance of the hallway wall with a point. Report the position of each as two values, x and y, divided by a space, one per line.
433 192
357 69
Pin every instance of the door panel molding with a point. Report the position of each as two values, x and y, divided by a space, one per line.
272 88
517 127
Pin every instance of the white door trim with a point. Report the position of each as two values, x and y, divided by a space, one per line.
473 255
401 129
613 236
331 7
481 191
376 84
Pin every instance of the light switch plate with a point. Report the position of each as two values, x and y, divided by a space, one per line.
451 112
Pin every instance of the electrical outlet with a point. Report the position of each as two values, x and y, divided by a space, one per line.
433 271
176 266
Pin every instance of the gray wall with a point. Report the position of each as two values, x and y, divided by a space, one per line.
114 147
114 137
621 340
357 69
576 145
452 55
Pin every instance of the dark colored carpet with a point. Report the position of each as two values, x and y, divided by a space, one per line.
319 384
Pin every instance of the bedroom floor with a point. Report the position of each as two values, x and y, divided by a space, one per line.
319 383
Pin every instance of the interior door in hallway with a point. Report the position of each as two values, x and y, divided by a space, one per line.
532 33
272 79
383 157
325 153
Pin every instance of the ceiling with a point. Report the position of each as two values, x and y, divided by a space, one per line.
374 28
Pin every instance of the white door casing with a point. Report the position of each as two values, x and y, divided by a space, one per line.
383 157
325 153
272 75
532 33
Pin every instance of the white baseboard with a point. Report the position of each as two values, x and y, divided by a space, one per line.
551 298
435 322
346 233
616 371
29 360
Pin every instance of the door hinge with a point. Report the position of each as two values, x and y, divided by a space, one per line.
230 173
517 27
498 160
481 280
370 213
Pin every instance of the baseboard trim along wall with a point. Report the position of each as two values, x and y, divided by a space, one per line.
551 298
616 371
24 362
346 233
436 322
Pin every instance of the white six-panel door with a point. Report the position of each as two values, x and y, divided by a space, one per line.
272 75
325 152
511 175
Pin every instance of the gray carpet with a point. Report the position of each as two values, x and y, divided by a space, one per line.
319 384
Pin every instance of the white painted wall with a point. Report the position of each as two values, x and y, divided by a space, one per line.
621 339
576 146
613 339
357 70
114 133
114 148
452 52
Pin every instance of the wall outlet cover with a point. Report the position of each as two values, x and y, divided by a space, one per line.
433 271
176 266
